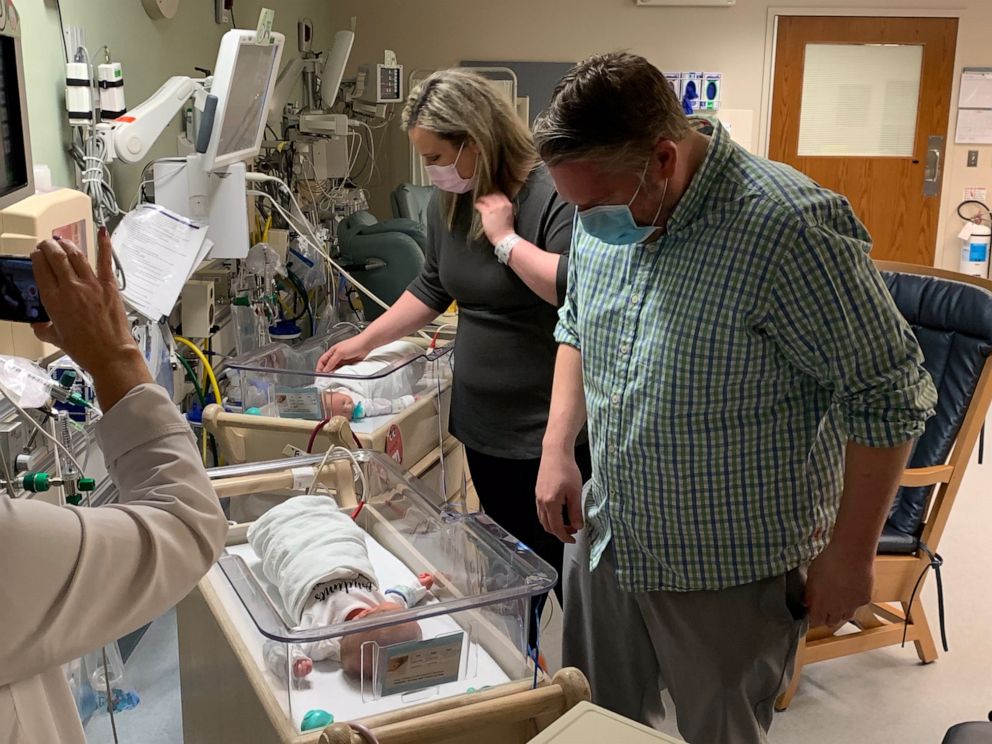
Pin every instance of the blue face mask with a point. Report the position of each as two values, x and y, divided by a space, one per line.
615 224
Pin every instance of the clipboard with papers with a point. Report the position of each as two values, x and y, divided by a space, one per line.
158 250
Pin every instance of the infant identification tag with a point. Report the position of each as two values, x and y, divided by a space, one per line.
299 403
405 667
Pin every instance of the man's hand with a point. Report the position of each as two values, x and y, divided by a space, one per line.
88 321
496 212
838 583
559 488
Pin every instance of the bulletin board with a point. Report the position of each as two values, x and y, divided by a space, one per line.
975 107
535 80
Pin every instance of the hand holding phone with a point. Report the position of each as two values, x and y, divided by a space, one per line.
20 300
88 320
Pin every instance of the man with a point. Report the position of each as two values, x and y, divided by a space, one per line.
77 578
752 396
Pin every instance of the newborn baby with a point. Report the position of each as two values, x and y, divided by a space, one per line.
356 399
316 557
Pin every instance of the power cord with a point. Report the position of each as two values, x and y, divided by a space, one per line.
358 470
97 184
58 9
110 699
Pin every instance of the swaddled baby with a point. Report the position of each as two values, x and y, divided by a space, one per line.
356 399
316 557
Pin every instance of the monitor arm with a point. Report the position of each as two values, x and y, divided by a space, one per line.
130 137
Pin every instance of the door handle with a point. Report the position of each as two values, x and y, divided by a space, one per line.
931 175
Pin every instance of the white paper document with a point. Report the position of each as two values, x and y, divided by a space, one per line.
976 88
159 250
974 127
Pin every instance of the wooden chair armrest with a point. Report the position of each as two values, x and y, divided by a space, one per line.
926 476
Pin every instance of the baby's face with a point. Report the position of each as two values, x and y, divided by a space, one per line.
339 404
351 645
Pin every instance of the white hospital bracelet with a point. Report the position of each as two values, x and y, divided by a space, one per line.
504 247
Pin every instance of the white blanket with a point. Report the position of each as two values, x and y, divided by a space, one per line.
306 541
393 386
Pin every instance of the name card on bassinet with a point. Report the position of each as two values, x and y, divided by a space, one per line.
405 667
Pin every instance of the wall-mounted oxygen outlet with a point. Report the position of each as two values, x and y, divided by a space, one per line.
222 11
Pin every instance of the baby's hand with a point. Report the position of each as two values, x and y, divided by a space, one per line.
302 668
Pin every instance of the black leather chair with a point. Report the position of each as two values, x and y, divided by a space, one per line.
951 315
973 732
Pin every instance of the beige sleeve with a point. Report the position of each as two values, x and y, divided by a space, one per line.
72 579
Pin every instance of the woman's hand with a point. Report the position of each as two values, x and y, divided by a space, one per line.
88 321
347 352
496 212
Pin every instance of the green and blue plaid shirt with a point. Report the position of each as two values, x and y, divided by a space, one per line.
725 368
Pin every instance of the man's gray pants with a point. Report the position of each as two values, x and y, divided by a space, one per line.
724 656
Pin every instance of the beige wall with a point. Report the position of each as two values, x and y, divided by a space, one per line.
150 51
439 33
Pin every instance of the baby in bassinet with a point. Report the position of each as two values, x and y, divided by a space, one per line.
316 557
357 399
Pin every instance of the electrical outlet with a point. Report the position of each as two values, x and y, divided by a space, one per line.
972 158
222 11
978 194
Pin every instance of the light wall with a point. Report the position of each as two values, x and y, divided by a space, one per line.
439 33
150 52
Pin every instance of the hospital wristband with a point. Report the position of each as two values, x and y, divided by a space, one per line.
504 247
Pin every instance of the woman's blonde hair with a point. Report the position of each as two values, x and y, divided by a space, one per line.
460 106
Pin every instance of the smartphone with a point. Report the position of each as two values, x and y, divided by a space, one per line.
20 301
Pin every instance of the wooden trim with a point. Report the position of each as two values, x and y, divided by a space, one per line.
837 646
931 476
468 717
771 43
900 267
887 612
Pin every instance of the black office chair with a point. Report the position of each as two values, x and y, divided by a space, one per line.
973 732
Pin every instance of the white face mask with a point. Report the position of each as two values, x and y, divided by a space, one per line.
447 178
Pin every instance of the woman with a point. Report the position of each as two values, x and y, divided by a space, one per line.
75 579
498 241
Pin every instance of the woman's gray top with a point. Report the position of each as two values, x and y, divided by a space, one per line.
505 349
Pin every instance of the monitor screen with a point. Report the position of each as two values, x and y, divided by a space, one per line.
247 98
13 153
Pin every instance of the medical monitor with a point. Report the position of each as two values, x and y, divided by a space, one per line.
244 77
337 60
16 170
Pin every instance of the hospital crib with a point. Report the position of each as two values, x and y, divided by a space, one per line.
489 691
276 383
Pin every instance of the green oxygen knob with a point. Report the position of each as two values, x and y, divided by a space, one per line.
74 500
36 482
86 484
68 379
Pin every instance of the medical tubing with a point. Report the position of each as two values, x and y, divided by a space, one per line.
191 375
313 434
314 243
206 366
27 417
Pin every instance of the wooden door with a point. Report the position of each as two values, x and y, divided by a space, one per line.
861 81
